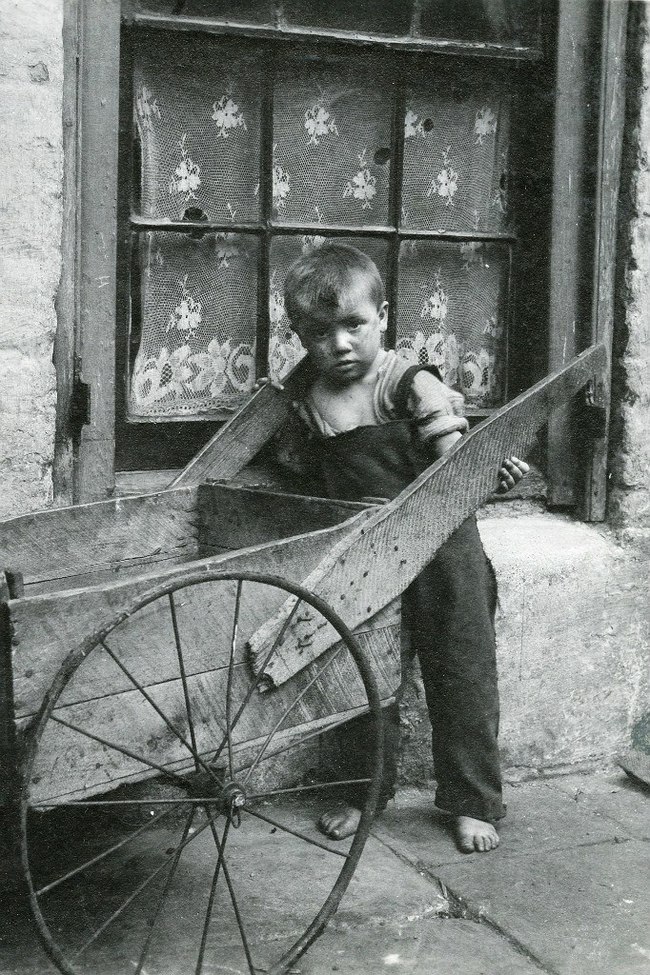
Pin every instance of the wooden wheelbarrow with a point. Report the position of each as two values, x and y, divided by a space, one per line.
168 664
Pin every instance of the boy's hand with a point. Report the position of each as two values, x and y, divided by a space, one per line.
511 473
266 381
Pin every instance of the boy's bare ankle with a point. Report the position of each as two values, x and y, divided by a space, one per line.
474 835
340 822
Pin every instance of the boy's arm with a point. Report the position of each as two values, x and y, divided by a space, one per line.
425 394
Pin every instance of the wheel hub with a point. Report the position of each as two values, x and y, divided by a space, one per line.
216 788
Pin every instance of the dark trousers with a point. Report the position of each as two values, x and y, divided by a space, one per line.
448 612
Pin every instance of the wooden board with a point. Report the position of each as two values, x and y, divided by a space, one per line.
46 628
244 435
236 517
63 543
374 563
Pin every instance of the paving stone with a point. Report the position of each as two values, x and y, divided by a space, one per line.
611 795
539 818
577 911
451 947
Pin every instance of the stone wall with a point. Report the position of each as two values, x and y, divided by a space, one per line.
629 496
31 164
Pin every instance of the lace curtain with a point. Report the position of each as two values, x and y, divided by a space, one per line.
197 112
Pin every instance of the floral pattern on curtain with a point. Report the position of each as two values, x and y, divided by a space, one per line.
452 303
199 311
331 161
455 158
197 107
198 121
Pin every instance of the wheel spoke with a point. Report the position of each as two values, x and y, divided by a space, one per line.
213 889
231 890
120 748
191 748
163 895
145 883
258 680
92 803
294 832
231 661
309 788
297 741
288 711
181 667
106 853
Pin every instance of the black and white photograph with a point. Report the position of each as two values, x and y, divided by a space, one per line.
325 487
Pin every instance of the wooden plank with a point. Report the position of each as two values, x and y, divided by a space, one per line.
69 762
236 517
569 256
97 233
65 542
377 561
47 628
244 435
610 142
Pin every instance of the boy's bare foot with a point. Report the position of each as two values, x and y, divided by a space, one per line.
475 835
340 823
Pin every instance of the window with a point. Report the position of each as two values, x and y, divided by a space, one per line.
245 151
435 136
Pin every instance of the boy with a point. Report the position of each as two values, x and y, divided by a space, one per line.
370 424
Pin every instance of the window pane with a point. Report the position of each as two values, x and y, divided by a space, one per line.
452 313
331 158
455 157
197 110
285 350
244 11
499 21
199 312
369 16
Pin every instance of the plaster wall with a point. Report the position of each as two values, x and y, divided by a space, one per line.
31 164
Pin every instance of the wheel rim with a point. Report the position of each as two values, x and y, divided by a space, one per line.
216 789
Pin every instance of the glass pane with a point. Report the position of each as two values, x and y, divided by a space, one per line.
369 16
331 158
243 11
456 156
285 350
197 112
452 310
513 22
199 313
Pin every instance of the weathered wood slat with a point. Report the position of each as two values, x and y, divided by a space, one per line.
236 517
66 542
375 562
69 762
46 628
244 435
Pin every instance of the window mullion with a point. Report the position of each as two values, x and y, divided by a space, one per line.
395 202
266 206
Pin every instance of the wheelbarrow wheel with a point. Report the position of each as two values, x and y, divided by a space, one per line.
164 793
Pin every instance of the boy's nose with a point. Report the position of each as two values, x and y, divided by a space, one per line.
341 340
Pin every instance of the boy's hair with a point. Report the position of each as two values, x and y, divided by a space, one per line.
322 277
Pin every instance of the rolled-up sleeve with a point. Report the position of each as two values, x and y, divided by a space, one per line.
436 409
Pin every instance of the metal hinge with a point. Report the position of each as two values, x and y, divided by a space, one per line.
593 415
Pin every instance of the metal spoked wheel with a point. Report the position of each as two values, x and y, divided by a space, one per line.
161 823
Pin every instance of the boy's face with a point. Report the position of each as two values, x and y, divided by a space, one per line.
344 342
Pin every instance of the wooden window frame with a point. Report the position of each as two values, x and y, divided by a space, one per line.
91 304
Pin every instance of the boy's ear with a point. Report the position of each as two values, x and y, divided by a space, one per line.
383 316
